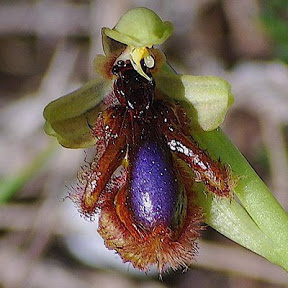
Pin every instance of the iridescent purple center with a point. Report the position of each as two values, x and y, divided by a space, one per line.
154 188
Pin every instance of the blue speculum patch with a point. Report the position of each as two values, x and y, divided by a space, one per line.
154 187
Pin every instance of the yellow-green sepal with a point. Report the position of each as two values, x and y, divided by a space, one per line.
110 46
209 97
70 117
140 27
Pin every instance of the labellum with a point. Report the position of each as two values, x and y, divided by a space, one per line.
147 213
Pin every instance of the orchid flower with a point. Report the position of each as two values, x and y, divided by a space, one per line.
170 114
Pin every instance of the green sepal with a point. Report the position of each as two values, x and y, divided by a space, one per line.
70 117
209 97
110 46
140 27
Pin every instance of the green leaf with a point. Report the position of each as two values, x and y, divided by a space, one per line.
231 219
140 27
69 117
258 222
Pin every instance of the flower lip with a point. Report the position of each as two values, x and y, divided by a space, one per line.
154 186
140 27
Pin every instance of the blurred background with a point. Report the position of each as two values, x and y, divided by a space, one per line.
46 50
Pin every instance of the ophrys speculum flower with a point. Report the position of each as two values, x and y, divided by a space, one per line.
144 119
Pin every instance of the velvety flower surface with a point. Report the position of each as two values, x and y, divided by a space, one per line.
154 152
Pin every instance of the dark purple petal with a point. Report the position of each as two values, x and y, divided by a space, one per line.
154 187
